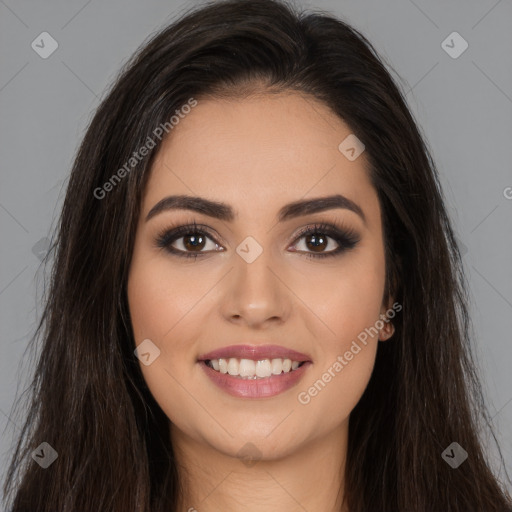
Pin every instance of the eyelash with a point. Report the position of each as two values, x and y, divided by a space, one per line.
346 238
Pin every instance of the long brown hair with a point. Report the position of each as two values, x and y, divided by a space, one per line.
89 400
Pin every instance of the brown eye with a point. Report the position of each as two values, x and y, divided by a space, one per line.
322 240
316 242
187 241
194 242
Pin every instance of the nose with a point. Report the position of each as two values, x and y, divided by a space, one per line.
255 294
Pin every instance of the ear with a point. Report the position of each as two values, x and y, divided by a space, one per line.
388 328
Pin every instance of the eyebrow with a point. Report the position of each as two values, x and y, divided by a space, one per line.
223 211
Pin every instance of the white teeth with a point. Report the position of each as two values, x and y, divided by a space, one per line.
277 366
233 366
223 365
247 368
263 368
250 369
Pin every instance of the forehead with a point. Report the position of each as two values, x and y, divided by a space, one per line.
257 154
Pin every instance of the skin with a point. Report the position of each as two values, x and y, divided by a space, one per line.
257 155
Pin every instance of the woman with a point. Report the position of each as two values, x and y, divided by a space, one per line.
257 300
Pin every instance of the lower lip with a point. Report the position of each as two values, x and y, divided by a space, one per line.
255 388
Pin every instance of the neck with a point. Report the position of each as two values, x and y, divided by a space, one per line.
311 478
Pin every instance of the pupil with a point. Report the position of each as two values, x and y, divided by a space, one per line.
194 241
319 243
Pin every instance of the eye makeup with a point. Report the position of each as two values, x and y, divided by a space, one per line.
198 234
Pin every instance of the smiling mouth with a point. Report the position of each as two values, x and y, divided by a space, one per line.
249 369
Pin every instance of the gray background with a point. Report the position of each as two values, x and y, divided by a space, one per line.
463 106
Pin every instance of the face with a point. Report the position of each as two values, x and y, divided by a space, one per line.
255 282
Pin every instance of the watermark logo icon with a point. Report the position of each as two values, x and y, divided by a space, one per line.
351 147
147 352
44 45
249 249
454 455
40 248
44 455
462 247
250 454
454 45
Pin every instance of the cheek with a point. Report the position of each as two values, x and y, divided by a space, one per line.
167 307
160 296
328 398
347 299
159 304
349 307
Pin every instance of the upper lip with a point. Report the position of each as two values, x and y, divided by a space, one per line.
256 352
